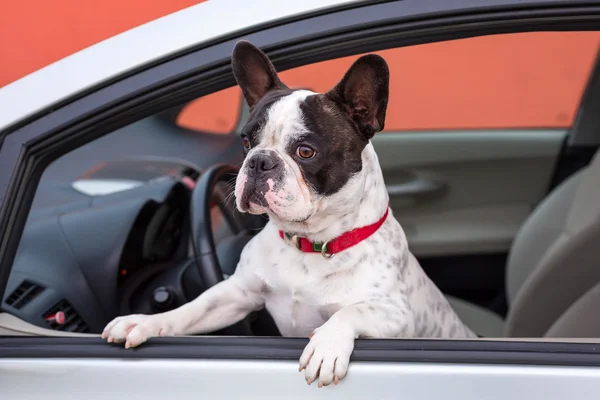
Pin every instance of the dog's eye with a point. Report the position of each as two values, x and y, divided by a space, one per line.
305 152
246 142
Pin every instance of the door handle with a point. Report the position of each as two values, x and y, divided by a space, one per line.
417 187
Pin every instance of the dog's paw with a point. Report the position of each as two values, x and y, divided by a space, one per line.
135 329
327 355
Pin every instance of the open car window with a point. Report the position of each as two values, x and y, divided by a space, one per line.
109 230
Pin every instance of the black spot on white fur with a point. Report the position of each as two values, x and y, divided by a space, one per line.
212 306
265 289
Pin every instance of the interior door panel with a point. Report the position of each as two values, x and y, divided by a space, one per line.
465 193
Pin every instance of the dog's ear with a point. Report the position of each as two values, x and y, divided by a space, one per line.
363 93
254 72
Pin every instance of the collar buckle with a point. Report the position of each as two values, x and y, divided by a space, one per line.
292 240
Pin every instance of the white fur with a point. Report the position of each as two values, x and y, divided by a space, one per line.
374 289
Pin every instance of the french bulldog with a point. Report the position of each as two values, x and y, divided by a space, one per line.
332 262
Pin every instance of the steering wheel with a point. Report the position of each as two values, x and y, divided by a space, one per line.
205 251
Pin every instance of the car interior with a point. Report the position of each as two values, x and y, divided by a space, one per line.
505 220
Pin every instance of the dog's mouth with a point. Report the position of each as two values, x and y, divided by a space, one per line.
302 220
256 204
252 202
271 197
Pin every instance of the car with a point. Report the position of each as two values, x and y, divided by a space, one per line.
116 166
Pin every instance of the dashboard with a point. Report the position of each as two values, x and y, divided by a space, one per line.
83 263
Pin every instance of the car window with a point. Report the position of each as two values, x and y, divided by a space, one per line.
217 113
111 218
507 81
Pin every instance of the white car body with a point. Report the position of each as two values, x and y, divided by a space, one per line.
176 371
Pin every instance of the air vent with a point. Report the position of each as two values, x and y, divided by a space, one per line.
24 294
63 317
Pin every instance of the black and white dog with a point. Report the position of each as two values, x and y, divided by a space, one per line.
332 263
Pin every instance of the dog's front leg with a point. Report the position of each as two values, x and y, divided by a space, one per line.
218 307
327 355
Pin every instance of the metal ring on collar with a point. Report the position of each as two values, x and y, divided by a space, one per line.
323 253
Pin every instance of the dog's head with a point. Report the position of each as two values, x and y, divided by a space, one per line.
302 148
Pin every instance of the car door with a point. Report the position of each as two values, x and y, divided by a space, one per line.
41 362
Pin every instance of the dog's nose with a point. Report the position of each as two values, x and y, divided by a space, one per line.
262 163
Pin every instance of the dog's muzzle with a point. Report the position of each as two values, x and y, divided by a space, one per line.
264 172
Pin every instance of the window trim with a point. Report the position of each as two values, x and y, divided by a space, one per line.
479 352
584 132
29 149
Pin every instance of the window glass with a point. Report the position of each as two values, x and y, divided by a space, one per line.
216 113
521 80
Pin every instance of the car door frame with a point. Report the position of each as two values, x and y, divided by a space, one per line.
28 147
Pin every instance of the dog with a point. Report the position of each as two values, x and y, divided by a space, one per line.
332 262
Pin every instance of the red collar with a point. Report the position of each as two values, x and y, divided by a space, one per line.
341 243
